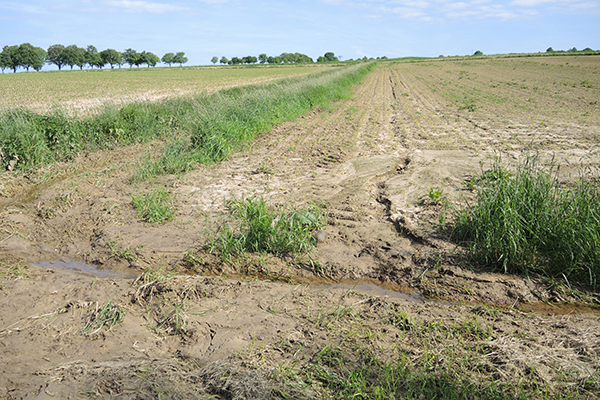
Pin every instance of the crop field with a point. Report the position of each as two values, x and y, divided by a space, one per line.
401 229
81 90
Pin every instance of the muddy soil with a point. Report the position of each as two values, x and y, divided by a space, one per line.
70 241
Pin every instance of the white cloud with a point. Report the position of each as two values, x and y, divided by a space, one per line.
457 6
436 10
532 3
587 5
411 3
408 13
143 6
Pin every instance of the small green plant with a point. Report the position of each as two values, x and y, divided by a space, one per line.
154 207
265 169
434 197
107 315
469 106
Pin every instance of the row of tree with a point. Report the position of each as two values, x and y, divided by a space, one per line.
571 50
27 56
284 58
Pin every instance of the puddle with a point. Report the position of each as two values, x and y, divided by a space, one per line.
559 308
81 267
374 289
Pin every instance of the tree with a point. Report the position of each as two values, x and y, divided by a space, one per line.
549 50
56 55
330 57
478 53
131 57
110 56
214 60
29 56
180 58
235 60
152 59
93 58
262 58
168 58
9 58
224 60
74 55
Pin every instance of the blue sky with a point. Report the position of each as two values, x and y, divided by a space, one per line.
350 29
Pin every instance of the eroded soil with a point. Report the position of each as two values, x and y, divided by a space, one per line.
371 162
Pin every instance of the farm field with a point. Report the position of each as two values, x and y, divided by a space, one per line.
77 91
385 306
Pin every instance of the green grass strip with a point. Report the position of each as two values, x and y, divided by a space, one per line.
209 126
524 222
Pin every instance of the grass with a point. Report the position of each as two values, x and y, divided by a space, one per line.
107 315
367 377
525 222
259 228
154 207
205 128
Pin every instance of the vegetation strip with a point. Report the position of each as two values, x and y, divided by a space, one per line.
213 125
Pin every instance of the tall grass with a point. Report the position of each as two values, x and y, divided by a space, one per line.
238 115
259 228
207 128
525 222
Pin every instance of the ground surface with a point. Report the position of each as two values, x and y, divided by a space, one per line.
209 328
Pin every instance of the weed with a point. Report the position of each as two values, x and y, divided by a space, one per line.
17 272
262 229
174 323
265 169
525 222
154 207
107 315
434 197
116 250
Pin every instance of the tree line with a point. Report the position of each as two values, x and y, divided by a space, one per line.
27 56
571 50
284 58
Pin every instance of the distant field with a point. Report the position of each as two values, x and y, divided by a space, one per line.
82 90
556 97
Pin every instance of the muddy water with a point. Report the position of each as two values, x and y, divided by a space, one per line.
372 289
83 268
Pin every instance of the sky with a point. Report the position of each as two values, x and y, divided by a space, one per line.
351 29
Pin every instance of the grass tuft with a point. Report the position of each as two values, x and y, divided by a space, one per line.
524 222
154 207
260 228
108 315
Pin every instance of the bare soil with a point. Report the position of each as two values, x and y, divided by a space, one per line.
372 162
